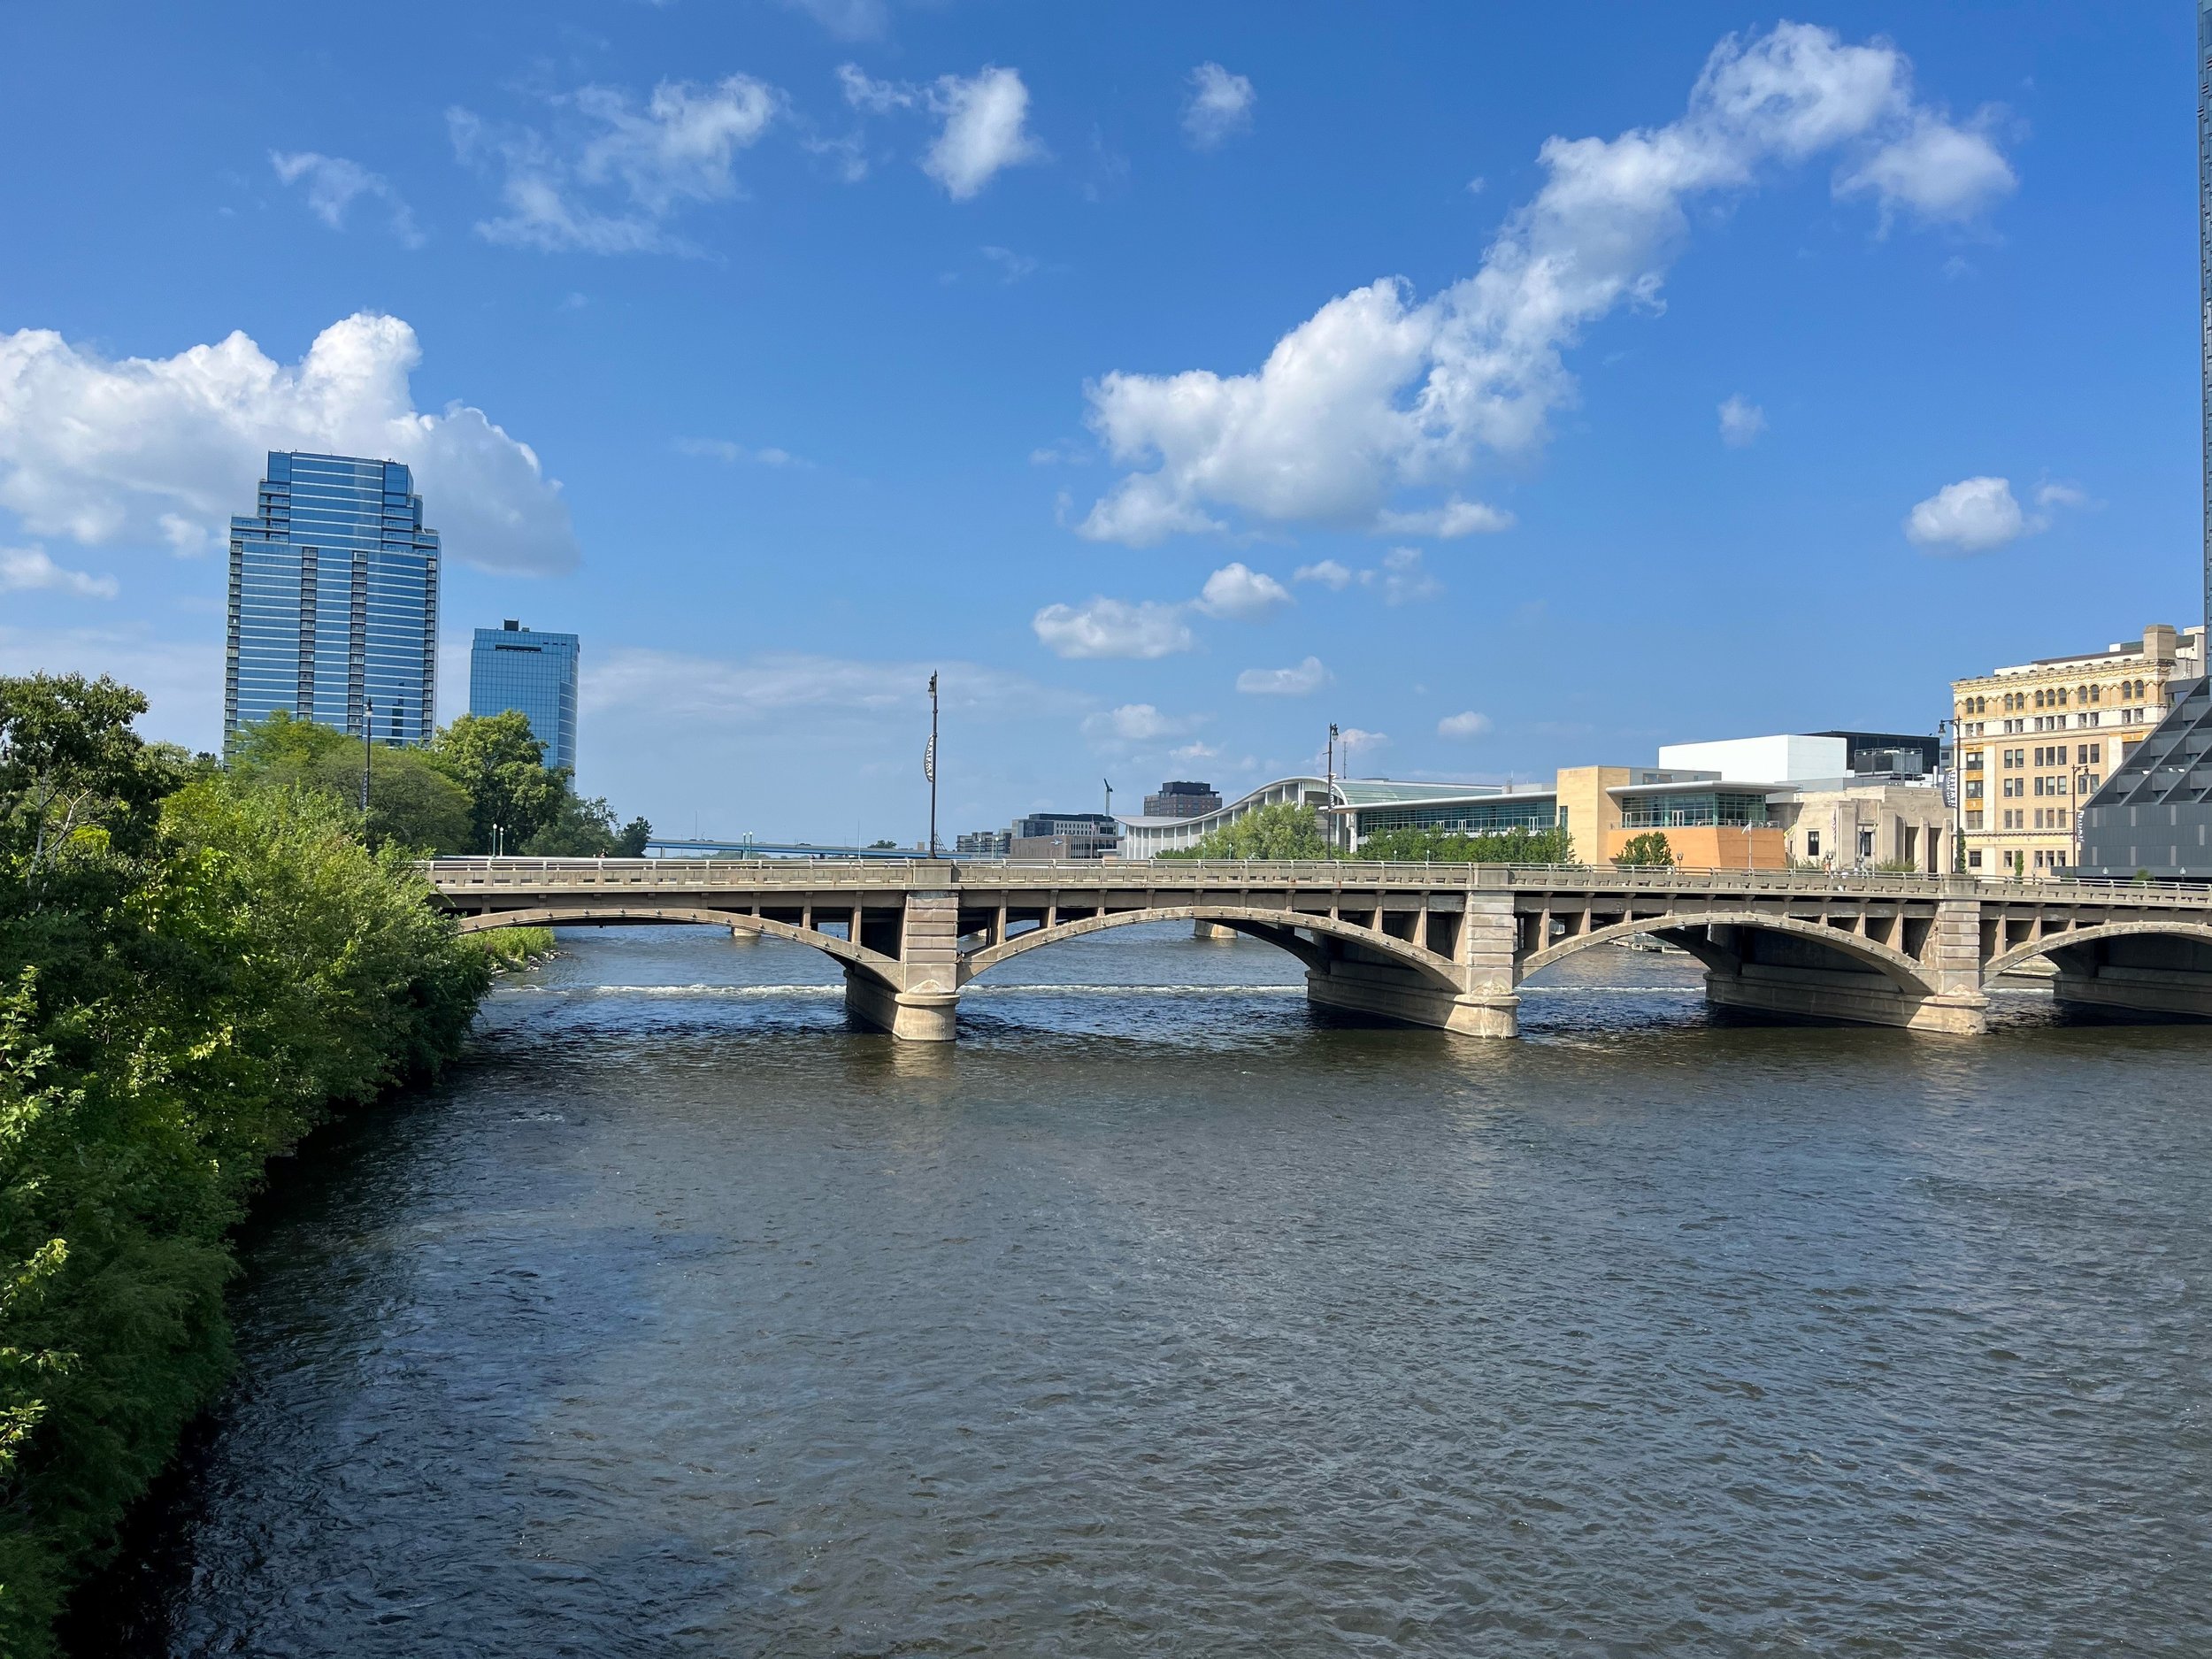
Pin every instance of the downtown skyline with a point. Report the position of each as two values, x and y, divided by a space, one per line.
1175 391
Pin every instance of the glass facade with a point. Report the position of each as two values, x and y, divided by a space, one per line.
1483 816
511 667
333 600
1693 810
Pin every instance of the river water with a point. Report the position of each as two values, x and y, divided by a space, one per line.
1161 1316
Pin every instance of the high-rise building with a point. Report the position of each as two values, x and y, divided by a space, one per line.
511 667
333 600
1182 799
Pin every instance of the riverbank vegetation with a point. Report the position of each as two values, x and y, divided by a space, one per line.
480 785
196 967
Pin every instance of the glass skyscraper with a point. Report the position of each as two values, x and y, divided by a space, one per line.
333 600
511 667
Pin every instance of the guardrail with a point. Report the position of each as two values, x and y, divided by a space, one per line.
463 875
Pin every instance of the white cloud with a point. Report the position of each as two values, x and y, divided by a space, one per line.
847 19
1243 594
872 97
1328 572
1220 104
27 569
1113 627
730 454
1742 421
1309 676
1462 725
1939 170
2049 495
1195 751
1455 518
984 130
1134 723
1376 392
607 183
1974 515
1012 266
164 450
1351 741
333 185
1402 579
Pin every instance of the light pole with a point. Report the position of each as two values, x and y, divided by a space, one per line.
1328 801
368 749
1953 785
929 765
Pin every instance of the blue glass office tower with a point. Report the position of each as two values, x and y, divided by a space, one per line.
333 600
511 667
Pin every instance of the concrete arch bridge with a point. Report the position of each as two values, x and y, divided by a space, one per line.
1439 945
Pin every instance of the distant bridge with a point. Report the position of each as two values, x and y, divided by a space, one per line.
1429 945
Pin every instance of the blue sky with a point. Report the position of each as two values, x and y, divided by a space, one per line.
1517 386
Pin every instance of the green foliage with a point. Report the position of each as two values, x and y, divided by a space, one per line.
502 768
514 947
412 801
1647 852
1286 830
195 969
1497 847
585 829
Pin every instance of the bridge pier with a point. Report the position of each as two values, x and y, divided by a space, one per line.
928 1015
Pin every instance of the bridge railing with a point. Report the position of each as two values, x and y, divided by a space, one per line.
458 876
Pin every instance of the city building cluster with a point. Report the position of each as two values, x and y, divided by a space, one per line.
2097 763
334 615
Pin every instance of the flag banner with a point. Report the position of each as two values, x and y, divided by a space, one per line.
929 759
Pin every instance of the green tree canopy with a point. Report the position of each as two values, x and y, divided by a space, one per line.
585 829
1648 850
74 776
501 767
1284 830
412 801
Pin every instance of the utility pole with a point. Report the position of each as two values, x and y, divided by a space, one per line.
1329 800
929 765
368 749
1109 782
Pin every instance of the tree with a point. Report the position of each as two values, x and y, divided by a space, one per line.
74 776
412 803
1286 830
503 768
1648 851
585 829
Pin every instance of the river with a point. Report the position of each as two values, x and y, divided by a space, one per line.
1160 1316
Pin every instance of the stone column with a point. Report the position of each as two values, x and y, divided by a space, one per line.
1488 1005
1952 960
922 1006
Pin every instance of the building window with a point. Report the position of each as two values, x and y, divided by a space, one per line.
1812 843
1974 859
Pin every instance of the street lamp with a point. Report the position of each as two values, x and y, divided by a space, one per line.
368 749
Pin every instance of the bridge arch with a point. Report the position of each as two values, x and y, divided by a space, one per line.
872 962
1677 928
1276 928
2193 933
